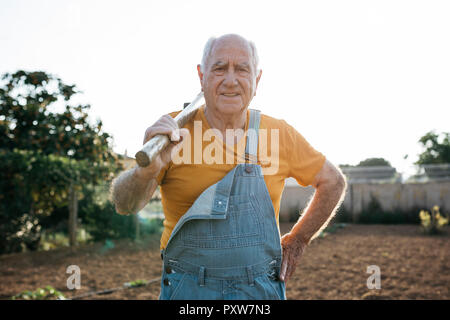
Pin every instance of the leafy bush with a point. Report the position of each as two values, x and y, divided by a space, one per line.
152 226
374 214
343 215
53 240
433 223
103 222
43 154
98 221
39 294
294 214
374 162
435 151
135 284
331 228
98 215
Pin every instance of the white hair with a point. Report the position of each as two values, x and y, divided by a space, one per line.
209 46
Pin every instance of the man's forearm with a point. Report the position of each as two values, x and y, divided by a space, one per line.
319 211
131 191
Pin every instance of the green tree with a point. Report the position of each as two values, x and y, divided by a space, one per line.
46 157
437 149
370 162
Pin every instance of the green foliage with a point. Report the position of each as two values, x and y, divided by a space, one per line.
331 228
42 153
370 162
54 240
39 294
99 217
30 186
294 214
27 122
374 214
433 223
152 226
135 284
102 221
108 245
435 151
343 215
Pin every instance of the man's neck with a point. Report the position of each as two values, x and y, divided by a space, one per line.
222 122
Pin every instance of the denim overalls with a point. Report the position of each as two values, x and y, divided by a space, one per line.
227 245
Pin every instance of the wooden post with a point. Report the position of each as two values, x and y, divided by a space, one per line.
73 215
351 203
137 227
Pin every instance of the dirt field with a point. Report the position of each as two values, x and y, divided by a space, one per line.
413 266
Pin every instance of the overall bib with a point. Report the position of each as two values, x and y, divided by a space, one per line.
227 245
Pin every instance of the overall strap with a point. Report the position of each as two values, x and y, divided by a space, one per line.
223 189
222 193
251 147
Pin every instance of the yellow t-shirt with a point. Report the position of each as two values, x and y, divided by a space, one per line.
282 152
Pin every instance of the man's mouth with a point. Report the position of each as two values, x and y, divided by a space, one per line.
230 94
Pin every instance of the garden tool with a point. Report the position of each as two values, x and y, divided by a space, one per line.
156 144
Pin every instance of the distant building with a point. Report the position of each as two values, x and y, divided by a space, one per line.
431 173
371 174
430 187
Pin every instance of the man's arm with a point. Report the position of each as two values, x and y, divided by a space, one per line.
133 189
330 185
330 188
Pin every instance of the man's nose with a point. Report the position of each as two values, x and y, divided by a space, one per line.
230 79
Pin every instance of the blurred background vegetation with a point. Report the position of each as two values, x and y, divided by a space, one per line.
55 169
56 166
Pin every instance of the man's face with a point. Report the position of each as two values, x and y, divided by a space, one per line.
229 79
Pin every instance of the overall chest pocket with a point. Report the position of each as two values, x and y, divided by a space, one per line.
243 226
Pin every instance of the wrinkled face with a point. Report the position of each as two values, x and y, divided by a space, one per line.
229 80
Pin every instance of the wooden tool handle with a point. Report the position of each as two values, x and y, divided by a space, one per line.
159 142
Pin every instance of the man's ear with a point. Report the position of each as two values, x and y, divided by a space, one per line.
200 75
258 77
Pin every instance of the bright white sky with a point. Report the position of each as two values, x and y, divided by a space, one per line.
358 79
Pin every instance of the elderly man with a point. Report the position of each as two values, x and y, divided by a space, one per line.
221 237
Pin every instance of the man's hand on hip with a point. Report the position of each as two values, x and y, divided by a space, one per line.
293 249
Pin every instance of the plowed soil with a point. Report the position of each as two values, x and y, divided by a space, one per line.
412 266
